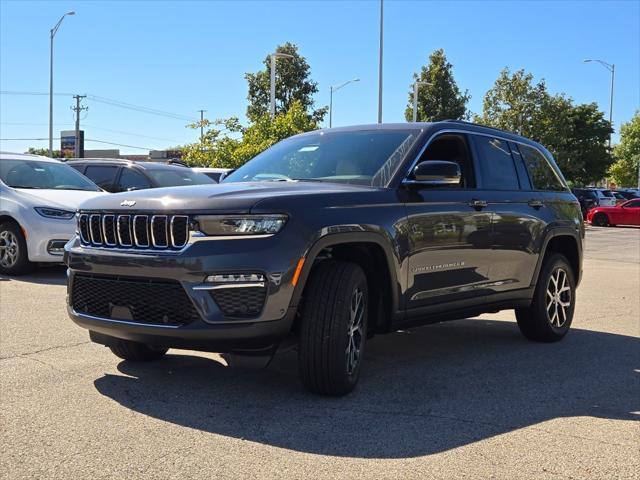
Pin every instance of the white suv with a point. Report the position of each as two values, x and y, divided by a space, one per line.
38 201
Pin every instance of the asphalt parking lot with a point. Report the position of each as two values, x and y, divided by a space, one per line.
465 399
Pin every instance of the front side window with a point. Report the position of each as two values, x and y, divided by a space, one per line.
102 175
43 175
542 175
497 169
132 180
366 157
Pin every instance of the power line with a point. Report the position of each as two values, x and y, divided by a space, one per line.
15 92
86 140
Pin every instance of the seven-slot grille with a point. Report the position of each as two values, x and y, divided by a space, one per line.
110 230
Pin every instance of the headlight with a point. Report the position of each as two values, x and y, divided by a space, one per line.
49 212
241 224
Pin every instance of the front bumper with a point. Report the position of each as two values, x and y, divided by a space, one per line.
213 331
41 232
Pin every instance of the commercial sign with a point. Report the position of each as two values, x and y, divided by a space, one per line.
68 143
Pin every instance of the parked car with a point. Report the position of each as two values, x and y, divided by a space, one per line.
627 194
216 174
606 198
115 175
38 201
371 229
626 214
587 198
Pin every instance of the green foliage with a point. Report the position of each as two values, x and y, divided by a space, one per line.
576 135
223 147
627 154
441 99
45 152
293 83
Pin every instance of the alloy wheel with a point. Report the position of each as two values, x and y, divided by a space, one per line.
355 330
8 249
558 298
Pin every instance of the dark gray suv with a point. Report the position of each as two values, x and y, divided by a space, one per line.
328 238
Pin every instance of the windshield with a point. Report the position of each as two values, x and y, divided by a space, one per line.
43 175
176 177
362 157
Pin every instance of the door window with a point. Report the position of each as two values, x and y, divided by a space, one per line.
102 175
497 169
132 180
452 148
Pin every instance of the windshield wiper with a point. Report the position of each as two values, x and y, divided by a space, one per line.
24 186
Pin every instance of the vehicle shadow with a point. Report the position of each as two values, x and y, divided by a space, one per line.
47 275
424 391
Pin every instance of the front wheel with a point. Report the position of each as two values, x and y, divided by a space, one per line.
551 312
14 259
600 220
136 352
333 329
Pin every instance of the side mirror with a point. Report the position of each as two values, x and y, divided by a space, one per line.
436 172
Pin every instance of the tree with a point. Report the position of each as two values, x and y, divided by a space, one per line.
45 152
293 83
625 170
441 99
229 144
576 135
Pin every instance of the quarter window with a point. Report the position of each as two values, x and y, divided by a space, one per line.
496 164
542 175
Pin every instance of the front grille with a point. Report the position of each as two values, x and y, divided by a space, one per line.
110 230
240 302
155 302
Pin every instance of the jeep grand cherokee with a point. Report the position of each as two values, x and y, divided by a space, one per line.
329 237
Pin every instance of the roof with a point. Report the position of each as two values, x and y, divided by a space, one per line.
146 165
25 156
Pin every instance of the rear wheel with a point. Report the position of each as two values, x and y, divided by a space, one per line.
549 317
333 330
136 352
14 259
600 220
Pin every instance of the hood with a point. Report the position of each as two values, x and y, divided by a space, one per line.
228 197
65 199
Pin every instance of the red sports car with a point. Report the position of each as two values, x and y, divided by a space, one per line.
626 214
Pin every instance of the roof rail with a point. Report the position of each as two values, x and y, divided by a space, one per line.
465 122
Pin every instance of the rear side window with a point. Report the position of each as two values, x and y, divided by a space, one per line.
542 175
497 169
102 175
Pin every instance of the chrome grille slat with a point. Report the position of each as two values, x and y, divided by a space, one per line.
110 230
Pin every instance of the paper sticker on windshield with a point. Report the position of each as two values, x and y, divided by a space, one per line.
310 148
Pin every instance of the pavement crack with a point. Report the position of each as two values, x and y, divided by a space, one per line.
35 352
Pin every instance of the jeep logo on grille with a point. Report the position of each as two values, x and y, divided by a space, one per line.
127 203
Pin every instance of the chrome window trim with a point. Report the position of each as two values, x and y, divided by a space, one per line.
223 286
104 230
129 228
173 241
93 241
135 237
459 131
166 235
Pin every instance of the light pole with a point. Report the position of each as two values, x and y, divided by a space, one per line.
272 95
53 32
416 86
380 63
612 68
335 89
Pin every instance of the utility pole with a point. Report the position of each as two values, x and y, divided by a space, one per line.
201 124
380 64
77 109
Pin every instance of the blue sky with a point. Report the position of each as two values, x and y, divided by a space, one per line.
180 57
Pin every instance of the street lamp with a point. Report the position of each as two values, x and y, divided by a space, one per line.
53 32
416 86
335 89
612 68
272 96
381 32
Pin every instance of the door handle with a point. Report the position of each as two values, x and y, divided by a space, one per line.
478 204
535 203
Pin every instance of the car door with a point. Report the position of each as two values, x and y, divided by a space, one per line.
449 231
630 213
516 209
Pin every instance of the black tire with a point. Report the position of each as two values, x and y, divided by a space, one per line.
600 220
14 257
329 358
136 352
549 317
